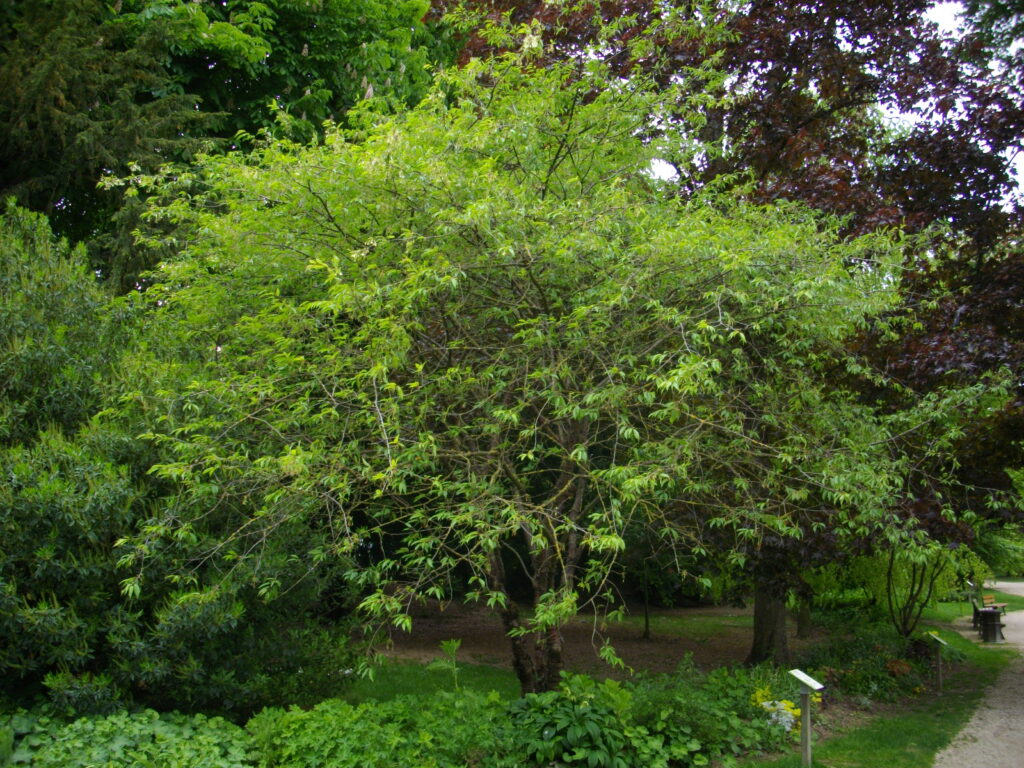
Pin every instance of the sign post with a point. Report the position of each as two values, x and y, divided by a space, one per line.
808 685
939 643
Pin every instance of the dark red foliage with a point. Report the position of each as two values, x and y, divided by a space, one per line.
804 79
977 328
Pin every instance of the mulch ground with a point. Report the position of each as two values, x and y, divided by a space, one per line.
484 642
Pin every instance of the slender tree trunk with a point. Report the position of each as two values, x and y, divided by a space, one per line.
523 663
550 651
770 640
647 608
537 655
803 617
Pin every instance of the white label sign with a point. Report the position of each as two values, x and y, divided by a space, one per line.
806 679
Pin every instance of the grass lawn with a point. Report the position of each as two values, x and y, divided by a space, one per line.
398 678
694 626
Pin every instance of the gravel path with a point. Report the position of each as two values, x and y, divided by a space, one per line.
994 737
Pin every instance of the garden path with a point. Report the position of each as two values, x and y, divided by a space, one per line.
993 738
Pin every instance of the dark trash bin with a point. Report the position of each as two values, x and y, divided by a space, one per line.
991 626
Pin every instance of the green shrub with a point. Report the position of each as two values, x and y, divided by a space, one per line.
445 730
75 619
662 721
705 717
872 662
582 723
683 719
123 740
84 693
1000 548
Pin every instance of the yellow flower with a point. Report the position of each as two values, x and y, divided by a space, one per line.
760 696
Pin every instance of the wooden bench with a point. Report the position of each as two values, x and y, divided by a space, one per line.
990 602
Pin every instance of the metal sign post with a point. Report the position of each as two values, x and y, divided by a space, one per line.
939 644
808 685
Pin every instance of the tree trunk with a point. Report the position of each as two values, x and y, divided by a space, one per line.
647 608
803 617
770 640
523 663
522 660
536 655
549 649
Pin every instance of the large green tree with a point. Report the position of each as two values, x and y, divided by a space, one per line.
96 90
802 117
481 341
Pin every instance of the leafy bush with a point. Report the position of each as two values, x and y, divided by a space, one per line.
54 332
61 508
123 740
85 693
684 719
678 720
704 717
446 730
662 721
582 723
872 662
1002 549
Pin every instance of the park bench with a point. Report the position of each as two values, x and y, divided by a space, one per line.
986 621
990 602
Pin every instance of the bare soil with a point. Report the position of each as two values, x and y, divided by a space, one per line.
484 642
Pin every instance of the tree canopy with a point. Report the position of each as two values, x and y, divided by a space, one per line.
805 111
480 338
461 341
99 90
802 97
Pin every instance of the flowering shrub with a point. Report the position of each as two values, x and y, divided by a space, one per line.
783 712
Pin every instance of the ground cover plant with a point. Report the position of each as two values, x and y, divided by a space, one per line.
686 718
125 740
682 719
